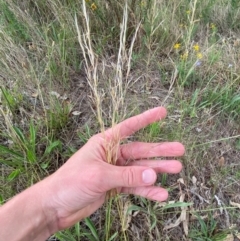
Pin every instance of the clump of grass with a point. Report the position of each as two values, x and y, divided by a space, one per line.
206 230
11 24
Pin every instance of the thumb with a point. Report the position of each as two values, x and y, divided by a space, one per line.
130 176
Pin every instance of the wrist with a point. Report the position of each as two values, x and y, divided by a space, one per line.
48 211
28 215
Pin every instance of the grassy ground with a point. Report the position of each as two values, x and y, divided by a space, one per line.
69 69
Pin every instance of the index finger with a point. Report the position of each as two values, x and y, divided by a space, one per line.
135 123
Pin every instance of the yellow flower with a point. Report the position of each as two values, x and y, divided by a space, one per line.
93 6
177 46
188 12
196 47
199 55
184 56
212 26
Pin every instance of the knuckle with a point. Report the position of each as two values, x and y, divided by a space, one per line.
128 176
145 193
149 193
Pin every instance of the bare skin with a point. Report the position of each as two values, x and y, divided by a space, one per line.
80 186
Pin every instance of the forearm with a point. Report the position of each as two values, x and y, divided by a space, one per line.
26 216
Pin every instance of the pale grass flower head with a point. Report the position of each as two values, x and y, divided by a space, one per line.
184 56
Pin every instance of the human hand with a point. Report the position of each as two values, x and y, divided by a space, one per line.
79 187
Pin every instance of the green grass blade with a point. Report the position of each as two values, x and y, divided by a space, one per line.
91 226
52 146
135 208
77 230
65 236
12 163
1 199
31 156
20 134
32 134
6 150
113 236
13 175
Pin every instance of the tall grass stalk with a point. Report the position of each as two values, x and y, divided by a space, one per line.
117 89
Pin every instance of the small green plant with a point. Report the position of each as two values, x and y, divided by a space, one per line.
78 232
85 134
11 24
52 147
233 15
73 234
23 153
238 144
58 115
11 100
223 100
153 131
25 150
206 230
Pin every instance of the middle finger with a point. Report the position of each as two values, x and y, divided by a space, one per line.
140 150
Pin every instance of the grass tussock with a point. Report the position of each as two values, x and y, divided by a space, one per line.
70 69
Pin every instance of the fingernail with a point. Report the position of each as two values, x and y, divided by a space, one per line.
148 176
